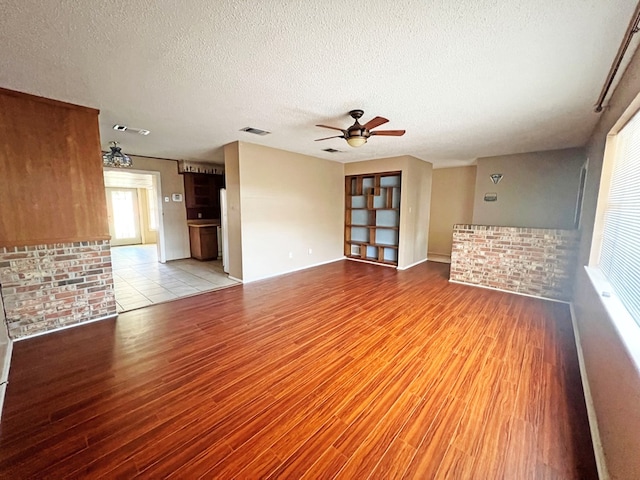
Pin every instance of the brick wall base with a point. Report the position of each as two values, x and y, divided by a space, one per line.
532 261
46 287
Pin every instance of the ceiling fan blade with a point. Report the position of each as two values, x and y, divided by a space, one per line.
327 138
332 128
375 122
389 133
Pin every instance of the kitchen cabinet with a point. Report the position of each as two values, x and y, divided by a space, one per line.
202 195
204 241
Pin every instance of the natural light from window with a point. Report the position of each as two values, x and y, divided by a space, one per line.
619 252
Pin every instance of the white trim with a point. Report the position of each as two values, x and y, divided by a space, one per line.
413 264
626 327
65 327
509 291
440 258
234 278
601 465
4 378
290 271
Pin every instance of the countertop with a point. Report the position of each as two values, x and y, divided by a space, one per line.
203 223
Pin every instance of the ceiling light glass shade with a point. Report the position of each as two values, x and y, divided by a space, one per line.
115 158
356 141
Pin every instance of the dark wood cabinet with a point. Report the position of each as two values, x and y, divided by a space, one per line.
202 195
204 242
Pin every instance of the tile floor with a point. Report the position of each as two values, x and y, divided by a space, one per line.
140 280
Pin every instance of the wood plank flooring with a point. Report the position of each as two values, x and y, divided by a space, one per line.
347 370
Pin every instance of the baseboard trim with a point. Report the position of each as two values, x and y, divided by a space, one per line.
510 291
437 257
291 271
65 327
598 452
413 264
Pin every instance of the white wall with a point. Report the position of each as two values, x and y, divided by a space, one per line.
613 378
174 214
290 204
415 201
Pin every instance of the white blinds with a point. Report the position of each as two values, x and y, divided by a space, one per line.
620 254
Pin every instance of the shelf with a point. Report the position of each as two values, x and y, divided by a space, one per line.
367 244
372 226
365 208
372 259
372 217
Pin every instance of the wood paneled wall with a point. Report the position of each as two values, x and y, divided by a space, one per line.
51 181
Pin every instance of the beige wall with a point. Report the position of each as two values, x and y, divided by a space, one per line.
234 219
539 189
613 378
415 198
174 214
291 204
452 195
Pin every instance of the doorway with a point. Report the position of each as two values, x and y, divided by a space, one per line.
123 210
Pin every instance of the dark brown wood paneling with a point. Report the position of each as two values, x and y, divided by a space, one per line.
51 181
341 371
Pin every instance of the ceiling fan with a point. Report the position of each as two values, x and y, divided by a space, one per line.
357 135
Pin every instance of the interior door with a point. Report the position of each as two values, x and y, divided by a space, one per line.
124 216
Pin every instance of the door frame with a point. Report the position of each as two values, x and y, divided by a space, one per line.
157 183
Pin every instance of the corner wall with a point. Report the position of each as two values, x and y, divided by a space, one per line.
452 196
285 211
234 217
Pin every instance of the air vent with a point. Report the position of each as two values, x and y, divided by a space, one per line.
330 150
124 128
255 131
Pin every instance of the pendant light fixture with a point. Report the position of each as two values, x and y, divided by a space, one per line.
115 158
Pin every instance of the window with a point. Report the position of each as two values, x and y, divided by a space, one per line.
620 244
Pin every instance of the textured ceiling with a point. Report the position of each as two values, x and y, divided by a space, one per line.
465 78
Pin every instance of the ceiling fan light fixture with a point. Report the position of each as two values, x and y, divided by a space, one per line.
116 158
356 141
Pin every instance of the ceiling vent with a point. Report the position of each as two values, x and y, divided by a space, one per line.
255 131
124 128
330 150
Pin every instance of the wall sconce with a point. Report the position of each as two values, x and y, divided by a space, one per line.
495 178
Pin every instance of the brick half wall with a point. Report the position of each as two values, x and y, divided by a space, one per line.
46 287
531 261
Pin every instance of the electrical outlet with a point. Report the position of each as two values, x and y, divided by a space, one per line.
310 251
290 254
199 215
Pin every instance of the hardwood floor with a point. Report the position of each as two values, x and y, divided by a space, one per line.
347 371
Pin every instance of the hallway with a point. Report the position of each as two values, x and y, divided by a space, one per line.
140 280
